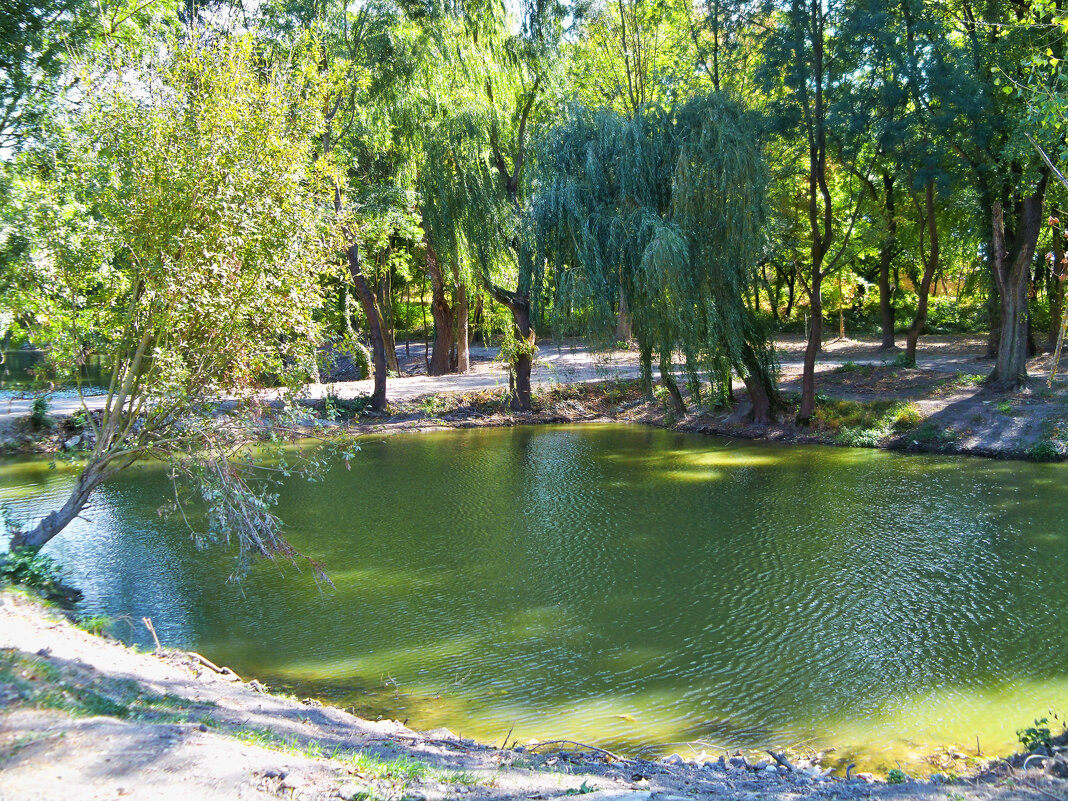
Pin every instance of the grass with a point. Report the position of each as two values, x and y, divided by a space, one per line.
40 684
867 424
853 367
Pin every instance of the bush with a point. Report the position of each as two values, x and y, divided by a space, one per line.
1044 451
39 417
24 567
1037 736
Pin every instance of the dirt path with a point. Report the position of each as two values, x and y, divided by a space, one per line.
564 363
82 717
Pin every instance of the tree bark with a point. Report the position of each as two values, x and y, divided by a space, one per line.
385 321
1056 290
519 380
1012 273
370 309
668 380
48 527
886 255
763 393
820 212
623 325
463 343
930 267
442 312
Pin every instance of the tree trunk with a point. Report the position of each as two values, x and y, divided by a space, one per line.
37 537
1056 290
623 326
463 344
668 380
385 321
378 344
1012 273
442 312
886 255
519 379
645 366
763 393
930 267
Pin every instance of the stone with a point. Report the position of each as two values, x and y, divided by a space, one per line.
350 792
442 734
673 759
739 762
203 727
72 442
293 781
720 764
762 764
771 770
618 795
866 777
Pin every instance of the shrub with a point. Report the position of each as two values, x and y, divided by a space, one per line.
39 417
24 567
1037 736
1044 451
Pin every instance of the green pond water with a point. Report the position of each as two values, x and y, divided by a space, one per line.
622 586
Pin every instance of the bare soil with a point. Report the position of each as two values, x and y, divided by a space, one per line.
84 717
950 408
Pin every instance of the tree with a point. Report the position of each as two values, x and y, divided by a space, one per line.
177 235
672 201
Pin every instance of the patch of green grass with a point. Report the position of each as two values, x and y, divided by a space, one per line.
582 789
969 379
929 432
896 776
865 424
852 367
1005 407
42 685
1044 451
400 769
94 624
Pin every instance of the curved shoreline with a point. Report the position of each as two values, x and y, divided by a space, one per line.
174 725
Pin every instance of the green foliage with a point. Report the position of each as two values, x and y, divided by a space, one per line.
177 231
25 567
1036 736
896 776
39 417
1044 451
664 209
865 425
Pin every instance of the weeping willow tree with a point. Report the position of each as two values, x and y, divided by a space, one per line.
665 209
491 74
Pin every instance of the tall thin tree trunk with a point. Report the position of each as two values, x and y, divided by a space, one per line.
930 267
886 255
623 325
1012 273
1056 290
441 311
378 343
668 380
385 320
520 377
463 343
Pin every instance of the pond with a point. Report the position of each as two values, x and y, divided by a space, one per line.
622 586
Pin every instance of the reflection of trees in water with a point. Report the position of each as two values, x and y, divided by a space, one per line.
726 587
130 563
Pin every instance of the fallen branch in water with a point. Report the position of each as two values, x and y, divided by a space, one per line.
594 748
781 759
